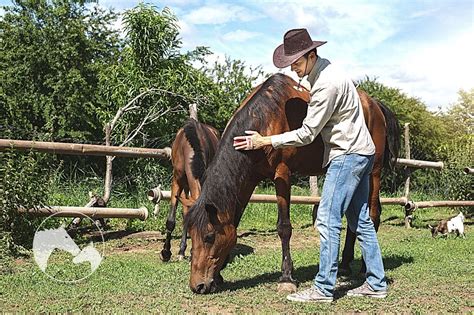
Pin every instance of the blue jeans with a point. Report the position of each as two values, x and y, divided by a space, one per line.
346 191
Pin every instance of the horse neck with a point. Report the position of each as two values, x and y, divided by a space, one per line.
227 186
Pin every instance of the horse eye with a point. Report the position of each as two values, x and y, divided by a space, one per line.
210 238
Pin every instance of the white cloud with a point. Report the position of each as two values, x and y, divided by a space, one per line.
354 26
446 66
219 14
239 36
182 3
431 71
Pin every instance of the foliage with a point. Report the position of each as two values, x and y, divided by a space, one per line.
232 83
432 138
427 131
24 182
158 83
461 114
51 54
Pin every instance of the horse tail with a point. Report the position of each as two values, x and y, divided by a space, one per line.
392 137
198 164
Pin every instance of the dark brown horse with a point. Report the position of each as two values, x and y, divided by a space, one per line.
272 108
191 153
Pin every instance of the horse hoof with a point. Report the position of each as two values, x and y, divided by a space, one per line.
165 255
181 257
286 287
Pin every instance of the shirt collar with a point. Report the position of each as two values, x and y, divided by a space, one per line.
320 65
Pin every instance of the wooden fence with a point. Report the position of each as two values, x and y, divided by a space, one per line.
157 195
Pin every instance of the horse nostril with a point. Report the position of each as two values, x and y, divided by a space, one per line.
200 288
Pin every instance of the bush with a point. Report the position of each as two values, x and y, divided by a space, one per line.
24 182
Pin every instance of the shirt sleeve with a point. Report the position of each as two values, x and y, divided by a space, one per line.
320 110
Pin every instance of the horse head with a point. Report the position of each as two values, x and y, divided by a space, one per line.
213 235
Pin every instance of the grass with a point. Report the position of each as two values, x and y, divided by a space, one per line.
426 275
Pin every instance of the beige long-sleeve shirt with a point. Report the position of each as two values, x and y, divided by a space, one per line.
335 111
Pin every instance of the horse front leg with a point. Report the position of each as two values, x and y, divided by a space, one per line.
283 186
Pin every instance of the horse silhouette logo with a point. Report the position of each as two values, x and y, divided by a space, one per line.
47 241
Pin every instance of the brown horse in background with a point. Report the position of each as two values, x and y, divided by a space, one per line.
191 153
272 108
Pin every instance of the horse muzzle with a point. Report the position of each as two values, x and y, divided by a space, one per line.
205 287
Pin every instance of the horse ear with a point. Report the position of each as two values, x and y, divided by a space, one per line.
212 212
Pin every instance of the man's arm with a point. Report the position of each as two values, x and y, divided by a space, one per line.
320 110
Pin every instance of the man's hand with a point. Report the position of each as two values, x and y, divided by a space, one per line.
253 141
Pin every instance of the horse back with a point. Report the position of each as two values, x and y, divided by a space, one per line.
192 151
308 160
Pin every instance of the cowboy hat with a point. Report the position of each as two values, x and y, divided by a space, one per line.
296 43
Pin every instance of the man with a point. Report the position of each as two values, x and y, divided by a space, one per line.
335 111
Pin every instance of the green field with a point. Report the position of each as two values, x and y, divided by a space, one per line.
425 275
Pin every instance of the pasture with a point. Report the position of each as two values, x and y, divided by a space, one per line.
425 275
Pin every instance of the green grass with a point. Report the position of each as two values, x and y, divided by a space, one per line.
426 275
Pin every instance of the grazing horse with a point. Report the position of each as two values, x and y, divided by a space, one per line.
274 107
192 151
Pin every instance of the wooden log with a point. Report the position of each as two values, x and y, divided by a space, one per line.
408 157
83 149
469 170
441 203
420 164
313 186
93 213
262 198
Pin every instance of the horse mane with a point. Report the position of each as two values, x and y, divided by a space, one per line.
198 165
230 169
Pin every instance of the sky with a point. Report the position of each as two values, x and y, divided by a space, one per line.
423 47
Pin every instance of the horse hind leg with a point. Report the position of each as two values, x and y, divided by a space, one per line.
184 236
176 189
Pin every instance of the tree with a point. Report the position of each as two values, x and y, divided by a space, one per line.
153 84
427 131
461 113
51 54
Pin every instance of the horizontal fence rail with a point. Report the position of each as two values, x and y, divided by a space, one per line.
83 149
156 195
419 164
411 205
102 150
469 170
92 212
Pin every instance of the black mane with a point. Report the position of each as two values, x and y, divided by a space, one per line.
198 163
230 169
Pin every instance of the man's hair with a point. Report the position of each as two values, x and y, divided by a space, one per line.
307 54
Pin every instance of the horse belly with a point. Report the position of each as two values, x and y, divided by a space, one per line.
308 160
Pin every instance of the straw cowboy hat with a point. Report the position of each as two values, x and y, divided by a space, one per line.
296 43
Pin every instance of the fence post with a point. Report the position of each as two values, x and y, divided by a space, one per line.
408 211
313 186
193 111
